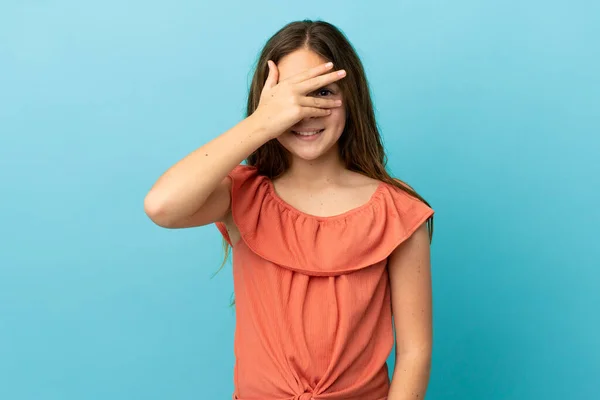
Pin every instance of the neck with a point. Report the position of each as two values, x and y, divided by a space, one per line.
322 170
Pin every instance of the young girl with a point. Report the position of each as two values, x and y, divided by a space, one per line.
326 245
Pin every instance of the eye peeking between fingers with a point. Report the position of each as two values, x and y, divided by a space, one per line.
323 92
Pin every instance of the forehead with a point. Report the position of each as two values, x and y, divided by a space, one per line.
297 62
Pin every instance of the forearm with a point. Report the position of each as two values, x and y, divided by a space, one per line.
184 187
411 376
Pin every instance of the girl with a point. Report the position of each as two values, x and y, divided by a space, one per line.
326 245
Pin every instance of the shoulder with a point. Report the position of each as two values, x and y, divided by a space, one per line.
247 186
245 176
403 185
243 170
362 183
359 180
413 210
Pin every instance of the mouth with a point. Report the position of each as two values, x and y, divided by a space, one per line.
307 134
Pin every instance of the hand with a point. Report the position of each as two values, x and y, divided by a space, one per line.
283 104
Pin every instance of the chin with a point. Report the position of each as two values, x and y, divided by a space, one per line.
307 155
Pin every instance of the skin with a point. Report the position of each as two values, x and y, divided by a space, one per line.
409 269
322 152
317 182
301 94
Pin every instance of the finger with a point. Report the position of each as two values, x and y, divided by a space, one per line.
320 81
317 102
273 76
314 112
311 72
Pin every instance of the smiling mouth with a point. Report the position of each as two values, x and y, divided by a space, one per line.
308 133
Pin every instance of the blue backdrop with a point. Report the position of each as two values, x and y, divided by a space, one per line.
489 109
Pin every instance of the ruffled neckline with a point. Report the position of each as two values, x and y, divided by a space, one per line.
290 208
321 246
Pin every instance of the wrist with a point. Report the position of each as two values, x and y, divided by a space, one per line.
261 127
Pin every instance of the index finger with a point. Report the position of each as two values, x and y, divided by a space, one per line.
320 81
311 73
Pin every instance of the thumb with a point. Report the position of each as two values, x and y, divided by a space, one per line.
273 76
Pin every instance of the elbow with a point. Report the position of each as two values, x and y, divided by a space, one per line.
416 359
157 209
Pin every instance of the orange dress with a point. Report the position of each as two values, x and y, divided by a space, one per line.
313 307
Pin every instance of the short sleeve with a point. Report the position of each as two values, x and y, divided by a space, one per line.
238 175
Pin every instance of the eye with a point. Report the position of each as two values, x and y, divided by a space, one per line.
324 92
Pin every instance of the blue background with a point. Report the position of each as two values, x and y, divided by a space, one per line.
489 109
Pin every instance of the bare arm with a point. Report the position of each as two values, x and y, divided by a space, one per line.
196 191
410 281
176 200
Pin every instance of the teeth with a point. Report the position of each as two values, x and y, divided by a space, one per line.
307 133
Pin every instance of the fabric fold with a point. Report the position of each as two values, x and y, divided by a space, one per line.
313 299
321 246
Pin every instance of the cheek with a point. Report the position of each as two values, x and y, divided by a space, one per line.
337 117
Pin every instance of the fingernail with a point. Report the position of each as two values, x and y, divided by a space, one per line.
338 102
329 65
341 72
